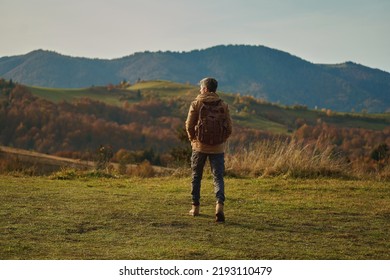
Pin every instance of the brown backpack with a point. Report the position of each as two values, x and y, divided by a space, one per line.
212 123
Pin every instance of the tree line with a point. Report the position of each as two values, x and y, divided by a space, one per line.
151 129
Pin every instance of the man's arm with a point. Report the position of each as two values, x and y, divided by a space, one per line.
229 123
192 120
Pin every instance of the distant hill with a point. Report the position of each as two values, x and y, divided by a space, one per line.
273 75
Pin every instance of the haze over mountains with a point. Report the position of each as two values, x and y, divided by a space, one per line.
263 72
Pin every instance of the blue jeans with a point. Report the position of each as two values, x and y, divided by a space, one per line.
217 163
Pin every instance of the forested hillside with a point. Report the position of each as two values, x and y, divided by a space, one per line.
146 121
262 72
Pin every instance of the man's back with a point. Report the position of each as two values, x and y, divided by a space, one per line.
193 121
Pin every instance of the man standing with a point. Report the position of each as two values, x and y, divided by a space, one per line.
208 126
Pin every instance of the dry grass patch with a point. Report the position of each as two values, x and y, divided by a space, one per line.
289 158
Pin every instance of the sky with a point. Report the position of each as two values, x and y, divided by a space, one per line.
319 31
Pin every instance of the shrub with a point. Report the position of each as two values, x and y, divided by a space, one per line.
143 170
12 165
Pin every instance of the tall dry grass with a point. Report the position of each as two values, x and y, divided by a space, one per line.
284 157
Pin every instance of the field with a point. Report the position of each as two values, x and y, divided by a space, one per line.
94 93
116 96
134 218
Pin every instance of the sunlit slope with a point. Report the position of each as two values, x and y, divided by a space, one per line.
245 110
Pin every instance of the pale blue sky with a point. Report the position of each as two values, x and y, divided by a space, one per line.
331 31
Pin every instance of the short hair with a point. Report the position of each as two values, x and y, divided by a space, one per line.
210 83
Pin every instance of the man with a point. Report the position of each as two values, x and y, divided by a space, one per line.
208 126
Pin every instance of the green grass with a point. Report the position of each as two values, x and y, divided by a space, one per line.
95 93
258 122
158 89
166 89
103 218
162 85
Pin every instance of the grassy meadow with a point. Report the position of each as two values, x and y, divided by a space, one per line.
147 218
95 93
116 96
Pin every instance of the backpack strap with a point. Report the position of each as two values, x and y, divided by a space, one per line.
200 110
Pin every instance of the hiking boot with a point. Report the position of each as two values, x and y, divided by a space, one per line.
194 210
219 215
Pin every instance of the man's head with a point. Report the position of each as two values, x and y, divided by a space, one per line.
208 85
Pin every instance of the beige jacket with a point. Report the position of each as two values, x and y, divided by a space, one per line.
192 121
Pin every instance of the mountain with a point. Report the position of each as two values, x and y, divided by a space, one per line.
273 75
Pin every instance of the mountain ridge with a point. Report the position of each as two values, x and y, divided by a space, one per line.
271 74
